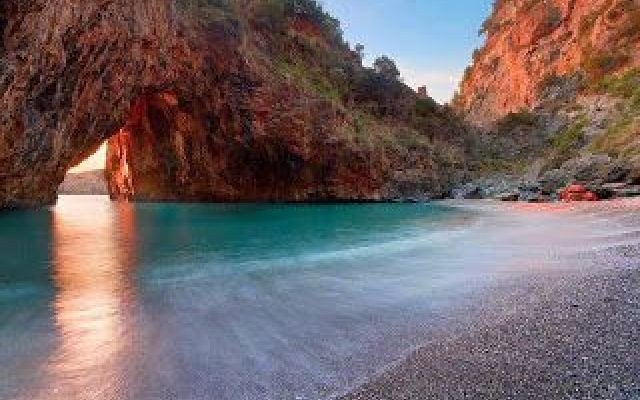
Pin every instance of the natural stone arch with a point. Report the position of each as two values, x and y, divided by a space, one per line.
72 71
194 106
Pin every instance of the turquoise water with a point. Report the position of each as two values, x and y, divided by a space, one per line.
101 300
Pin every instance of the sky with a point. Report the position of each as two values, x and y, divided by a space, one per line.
430 40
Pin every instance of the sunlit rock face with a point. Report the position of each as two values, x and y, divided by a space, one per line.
174 148
199 105
531 43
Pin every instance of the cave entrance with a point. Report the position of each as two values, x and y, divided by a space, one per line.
106 171
88 177
109 170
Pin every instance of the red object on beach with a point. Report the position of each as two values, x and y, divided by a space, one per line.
577 192
590 196
576 188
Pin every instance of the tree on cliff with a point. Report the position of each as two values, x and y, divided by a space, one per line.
381 91
386 67
359 49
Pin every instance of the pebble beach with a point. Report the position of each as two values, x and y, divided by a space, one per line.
568 336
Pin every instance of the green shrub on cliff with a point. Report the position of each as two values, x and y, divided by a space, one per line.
620 139
313 80
207 11
569 139
382 95
625 86
386 67
490 25
520 119
426 107
275 14
622 136
598 65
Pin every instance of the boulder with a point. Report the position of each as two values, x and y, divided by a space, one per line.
468 191
554 180
628 191
513 196
634 170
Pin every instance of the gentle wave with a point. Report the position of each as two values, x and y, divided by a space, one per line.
411 240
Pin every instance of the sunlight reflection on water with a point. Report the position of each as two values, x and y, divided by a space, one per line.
93 261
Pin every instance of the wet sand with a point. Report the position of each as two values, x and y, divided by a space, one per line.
564 336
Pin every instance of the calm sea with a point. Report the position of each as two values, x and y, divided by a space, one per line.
102 300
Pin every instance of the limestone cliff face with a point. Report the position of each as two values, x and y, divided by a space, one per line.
226 100
531 43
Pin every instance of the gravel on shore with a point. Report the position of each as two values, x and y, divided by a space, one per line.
577 340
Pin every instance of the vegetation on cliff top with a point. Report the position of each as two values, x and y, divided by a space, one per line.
309 50
305 48
298 45
380 110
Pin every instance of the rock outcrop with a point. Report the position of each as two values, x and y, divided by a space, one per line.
226 100
555 92
531 45
87 182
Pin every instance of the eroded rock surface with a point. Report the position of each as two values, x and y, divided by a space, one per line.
226 100
555 94
533 44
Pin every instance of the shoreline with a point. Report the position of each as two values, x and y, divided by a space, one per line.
446 322
574 335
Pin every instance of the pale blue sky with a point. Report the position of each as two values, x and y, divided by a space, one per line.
430 40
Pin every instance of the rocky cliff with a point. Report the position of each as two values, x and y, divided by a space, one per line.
209 100
532 44
556 91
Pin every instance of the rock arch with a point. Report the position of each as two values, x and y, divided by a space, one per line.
194 107
72 73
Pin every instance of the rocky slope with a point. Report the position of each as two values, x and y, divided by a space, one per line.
556 93
209 100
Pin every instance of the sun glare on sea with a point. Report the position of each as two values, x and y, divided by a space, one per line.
93 259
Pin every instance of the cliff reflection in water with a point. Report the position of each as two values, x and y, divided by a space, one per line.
93 307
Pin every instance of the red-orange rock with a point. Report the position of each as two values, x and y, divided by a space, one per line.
530 43
576 188
201 100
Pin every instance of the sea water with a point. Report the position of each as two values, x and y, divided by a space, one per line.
102 300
